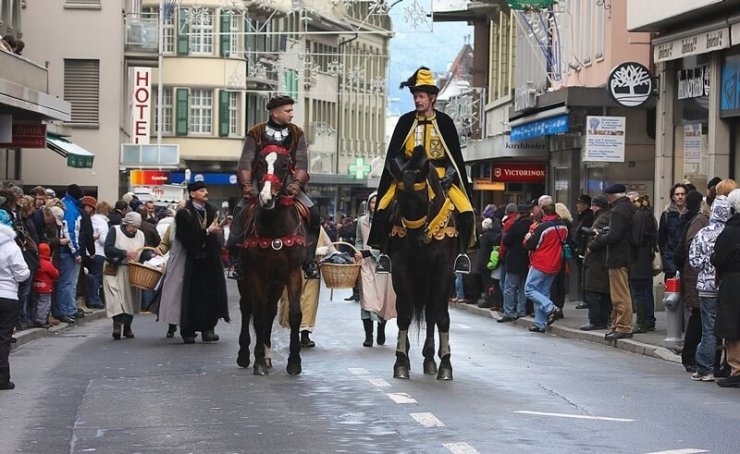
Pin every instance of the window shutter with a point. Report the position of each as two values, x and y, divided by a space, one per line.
225 33
181 112
82 89
183 39
223 113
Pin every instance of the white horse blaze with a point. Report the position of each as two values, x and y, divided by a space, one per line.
266 193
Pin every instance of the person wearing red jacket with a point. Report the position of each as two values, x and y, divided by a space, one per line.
43 285
546 249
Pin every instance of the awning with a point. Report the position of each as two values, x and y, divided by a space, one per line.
77 156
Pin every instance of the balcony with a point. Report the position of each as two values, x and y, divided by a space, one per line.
141 34
23 71
24 87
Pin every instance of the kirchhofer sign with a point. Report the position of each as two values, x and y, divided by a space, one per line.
518 173
141 105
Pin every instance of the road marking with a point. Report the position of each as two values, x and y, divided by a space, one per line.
680 451
358 370
460 448
401 398
427 419
379 382
460 326
563 415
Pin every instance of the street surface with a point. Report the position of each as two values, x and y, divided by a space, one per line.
513 392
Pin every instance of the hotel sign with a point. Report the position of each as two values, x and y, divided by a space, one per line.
700 43
141 105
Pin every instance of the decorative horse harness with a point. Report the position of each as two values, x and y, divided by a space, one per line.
435 229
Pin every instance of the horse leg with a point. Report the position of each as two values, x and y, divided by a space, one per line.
443 324
295 284
430 366
245 306
260 321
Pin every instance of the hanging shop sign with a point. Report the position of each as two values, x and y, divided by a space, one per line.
630 84
148 177
141 103
518 173
27 135
604 139
540 128
699 43
693 82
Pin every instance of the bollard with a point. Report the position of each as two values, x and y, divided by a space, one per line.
673 315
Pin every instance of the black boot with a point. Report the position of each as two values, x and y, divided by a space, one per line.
171 331
464 231
381 333
127 333
381 224
5 382
310 267
305 340
368 325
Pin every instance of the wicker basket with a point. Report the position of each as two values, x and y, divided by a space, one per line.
142 276
338 275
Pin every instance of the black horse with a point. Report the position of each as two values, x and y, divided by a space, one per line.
422 249
272 252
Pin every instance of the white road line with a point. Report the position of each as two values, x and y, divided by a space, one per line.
358 370
379 382
427 419
460 326
401 398
460 448
680 451
563 415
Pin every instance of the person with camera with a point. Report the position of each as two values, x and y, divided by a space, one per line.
595 272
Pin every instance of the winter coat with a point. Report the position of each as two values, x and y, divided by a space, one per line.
616 242
669 233
508 222
100 229
486 241
546 245
642 264
13 268
71 214
517 257
689 275
702 247
44 277
726 259
596 274
580 237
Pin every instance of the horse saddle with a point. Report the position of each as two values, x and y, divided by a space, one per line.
249 216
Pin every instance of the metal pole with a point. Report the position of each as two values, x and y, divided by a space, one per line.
160 90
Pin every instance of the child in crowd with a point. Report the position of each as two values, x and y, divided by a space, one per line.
43 284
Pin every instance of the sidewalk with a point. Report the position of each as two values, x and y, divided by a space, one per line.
28 335
650 344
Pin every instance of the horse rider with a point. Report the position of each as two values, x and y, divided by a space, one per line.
277 131
436 132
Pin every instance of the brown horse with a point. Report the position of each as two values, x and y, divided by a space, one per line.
272 254
422 249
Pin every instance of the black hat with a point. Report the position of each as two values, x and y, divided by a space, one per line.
713 182
194 186
75 191
585 198
523 208
600 201
278 101
421 80
615 189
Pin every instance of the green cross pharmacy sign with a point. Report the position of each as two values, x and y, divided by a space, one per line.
359 169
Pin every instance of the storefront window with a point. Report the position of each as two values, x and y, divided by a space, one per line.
691 120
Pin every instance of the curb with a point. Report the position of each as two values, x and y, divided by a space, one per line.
30 334
629 345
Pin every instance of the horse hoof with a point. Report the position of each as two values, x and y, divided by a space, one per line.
445 373
401 372
260 369
294 368
242 360
430 367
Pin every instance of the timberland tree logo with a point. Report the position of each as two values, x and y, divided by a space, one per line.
630 84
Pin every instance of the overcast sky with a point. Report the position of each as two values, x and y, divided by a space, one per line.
408 51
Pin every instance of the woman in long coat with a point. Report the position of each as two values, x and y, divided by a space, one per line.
123 244
170 298
377 298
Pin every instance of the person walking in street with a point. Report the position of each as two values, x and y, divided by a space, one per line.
700 252
545 244
280 134
670 226
204 299
618 259
13 270
641 270
517 266
169 308
581 237
595 273
726 260
123 244
377 298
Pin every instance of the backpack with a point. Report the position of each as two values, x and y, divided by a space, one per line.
644 232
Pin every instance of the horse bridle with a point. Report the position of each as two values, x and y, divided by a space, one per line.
277 182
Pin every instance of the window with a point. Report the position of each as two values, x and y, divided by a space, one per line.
235 35
255 109
168 34
201 111
168 110
201 33
600 32
82 89
82 3
234 111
